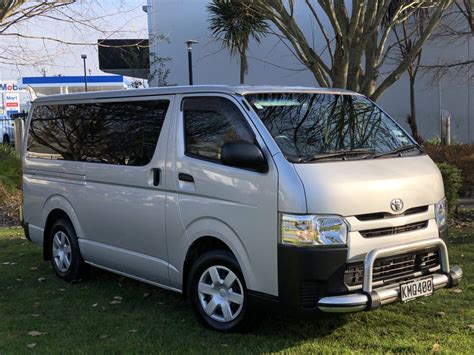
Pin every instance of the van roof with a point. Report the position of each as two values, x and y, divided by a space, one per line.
195 89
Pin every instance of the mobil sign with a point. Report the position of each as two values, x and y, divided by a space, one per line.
10 94
9 86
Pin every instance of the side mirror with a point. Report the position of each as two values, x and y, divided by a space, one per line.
243 154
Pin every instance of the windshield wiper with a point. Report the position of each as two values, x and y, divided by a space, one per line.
343 154
400 150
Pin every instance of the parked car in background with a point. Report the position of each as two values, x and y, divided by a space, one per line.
299 199
7 130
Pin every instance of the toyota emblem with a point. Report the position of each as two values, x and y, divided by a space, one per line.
396 204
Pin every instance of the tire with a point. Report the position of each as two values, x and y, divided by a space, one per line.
227 309
66 257
6 139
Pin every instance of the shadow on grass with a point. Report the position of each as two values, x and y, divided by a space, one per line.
146 318
296 328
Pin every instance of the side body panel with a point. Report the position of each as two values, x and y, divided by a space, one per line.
49 185
124 214
237 206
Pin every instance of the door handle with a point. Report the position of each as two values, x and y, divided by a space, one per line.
185 177
156 176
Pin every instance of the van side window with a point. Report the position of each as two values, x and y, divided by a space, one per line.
121 133
209 122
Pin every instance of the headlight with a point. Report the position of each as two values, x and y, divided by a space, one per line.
309 230
441 211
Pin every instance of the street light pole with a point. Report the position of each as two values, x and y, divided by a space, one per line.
84 57
189 45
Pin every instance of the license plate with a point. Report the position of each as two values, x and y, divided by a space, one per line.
417 288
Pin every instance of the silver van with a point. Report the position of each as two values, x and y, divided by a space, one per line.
289 198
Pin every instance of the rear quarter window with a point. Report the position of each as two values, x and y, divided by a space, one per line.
120 133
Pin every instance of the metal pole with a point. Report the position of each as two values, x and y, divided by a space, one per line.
18 131
189 45
469 94
190 66
4 111
84 57
440 107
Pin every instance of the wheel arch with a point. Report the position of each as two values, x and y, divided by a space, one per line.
57 207
198 248
205 235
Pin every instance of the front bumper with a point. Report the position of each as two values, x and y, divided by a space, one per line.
369 298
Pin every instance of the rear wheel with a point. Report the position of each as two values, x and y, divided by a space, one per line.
6 139
218 293
66 258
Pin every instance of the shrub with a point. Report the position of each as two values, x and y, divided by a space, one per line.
10 194
10 167
459 155
452 180
10 201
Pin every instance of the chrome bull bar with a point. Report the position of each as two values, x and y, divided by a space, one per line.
371 299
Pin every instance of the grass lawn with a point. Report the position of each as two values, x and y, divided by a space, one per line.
80 317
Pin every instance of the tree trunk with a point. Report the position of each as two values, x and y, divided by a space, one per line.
340 68
370 87
243 66
411 119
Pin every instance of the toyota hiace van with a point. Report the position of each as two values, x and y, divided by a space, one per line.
299 199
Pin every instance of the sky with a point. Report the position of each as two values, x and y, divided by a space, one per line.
100 19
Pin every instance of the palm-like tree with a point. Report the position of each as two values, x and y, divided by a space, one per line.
235 22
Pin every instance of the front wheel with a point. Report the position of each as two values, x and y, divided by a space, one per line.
218 293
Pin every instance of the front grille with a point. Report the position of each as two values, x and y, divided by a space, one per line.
394 269
383 215
380 232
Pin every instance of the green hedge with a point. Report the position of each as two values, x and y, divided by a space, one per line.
452 179
459 155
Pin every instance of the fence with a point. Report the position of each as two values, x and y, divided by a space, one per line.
7 130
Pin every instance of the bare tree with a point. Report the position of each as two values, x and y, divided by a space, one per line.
456 28
466 8
358 41
458 21
159 70
406 34
13 12
19 20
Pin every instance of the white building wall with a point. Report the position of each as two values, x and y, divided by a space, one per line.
182 20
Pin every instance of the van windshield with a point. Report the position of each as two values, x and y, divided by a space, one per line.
309 127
